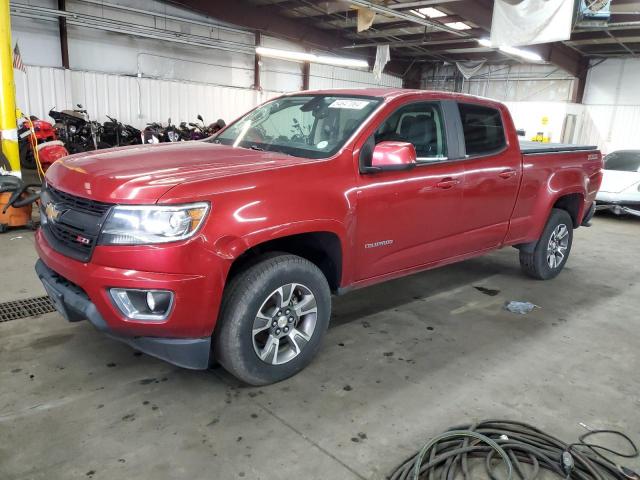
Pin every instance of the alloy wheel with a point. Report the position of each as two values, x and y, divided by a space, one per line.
284 323
557 246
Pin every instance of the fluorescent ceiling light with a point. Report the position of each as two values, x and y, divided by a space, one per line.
516 52
432 12
310 57
527 55
417 12
458 25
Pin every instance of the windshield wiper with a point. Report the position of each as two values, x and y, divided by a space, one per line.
255 147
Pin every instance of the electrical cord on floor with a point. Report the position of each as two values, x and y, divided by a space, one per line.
525 451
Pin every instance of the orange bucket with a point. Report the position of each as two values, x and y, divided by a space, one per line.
13 217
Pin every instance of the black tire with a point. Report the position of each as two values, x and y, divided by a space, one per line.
233 342
27 159
4 162
536 263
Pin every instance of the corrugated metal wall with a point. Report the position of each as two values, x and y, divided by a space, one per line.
326 76
508 83
130 99
611 117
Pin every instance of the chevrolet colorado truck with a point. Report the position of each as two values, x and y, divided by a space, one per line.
229 249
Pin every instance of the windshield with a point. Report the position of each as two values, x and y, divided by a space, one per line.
310 126
625 161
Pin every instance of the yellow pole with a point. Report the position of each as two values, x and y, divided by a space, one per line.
8 123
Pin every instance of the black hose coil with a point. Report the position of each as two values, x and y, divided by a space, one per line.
525 451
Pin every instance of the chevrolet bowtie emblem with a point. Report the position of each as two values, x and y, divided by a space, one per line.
52 211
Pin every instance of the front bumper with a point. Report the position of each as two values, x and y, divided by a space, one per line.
619 203
620 208
197 294
74 304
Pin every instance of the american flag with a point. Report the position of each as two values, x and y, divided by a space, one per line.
17 60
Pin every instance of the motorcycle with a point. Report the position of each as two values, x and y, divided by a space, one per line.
153 133
216 127
78 132
156 133
117 134
32 132
39 135
200 131
172 133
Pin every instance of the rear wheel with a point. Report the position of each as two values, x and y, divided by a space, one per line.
273 319
27 159
551 252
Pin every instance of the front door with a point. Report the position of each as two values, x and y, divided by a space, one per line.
407 219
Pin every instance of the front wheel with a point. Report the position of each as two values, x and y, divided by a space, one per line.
273 318
552 250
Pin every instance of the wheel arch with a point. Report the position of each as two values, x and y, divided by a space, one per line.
573 204
323 248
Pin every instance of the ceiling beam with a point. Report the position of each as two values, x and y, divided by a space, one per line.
245 14
383 10
382 27
419 4
422 38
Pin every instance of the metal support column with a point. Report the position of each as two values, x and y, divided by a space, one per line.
256 64
62 26
306 72
8 125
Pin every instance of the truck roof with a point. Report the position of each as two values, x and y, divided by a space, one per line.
390 93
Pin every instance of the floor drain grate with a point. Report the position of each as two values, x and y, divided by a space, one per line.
29 307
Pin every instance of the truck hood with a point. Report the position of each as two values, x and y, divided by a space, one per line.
143 173
615 181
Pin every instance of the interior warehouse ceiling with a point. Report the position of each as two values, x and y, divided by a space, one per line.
428 37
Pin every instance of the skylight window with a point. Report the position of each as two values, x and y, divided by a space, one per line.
458 25
432 12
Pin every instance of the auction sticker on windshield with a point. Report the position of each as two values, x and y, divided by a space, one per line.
349 104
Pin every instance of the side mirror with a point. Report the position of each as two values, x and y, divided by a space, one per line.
200 118
392 156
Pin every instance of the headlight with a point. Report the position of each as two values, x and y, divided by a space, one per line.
138 225
72 128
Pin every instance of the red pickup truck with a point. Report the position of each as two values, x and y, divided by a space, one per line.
229 248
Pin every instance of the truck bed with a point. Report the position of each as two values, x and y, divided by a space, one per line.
530 148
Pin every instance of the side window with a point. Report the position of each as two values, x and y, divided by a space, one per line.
420 124
483 129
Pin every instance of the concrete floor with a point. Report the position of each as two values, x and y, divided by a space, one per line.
402 362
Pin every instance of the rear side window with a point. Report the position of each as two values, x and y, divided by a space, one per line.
483 129
624 161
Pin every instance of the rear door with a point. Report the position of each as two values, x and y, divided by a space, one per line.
492 169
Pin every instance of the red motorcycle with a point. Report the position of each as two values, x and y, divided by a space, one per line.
39 135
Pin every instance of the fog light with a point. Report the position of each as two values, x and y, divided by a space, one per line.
150 305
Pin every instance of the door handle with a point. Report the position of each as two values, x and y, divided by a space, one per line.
447 183
508 173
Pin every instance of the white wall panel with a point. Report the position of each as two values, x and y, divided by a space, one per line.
327 76
612 105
